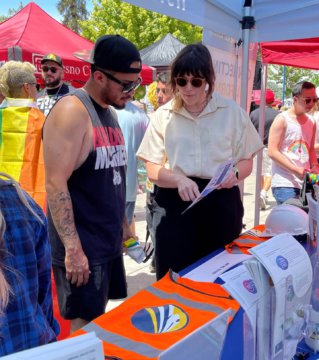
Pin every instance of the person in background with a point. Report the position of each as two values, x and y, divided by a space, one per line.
164 90
21 128
52 74
315 114
26 317
85 161
291 144
133 122
270 115
195 132
164 94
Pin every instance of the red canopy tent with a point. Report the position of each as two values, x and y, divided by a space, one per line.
31 33
302 53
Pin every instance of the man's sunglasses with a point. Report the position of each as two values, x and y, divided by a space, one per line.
196 82
309 100
127 87
51 68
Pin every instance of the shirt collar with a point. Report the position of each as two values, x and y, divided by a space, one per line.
11 102
216 101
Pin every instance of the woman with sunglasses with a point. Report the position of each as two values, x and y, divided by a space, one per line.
196 132
21 127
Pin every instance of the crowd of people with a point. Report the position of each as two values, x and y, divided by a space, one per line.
88 142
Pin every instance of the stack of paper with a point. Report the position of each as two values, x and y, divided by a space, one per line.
270 284
83 347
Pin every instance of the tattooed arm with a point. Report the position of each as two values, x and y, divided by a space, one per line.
65 146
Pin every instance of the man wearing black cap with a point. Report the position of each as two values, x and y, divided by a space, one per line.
85 162
52 74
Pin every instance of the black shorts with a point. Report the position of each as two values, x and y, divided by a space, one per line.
106 282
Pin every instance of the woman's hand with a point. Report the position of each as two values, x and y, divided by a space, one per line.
187 188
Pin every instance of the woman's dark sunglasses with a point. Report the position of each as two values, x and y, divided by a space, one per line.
127 86
51 68
196 82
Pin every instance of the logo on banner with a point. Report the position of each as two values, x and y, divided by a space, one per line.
179 4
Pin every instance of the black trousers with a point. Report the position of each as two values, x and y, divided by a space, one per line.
182 239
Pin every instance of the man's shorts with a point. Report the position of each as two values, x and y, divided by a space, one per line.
106 282
266 163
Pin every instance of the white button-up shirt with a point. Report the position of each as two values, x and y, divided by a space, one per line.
196 146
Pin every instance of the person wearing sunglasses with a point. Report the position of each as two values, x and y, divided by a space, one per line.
291 144
20 128
194 133
52 74
85 161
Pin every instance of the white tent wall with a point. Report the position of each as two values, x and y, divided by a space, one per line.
227 60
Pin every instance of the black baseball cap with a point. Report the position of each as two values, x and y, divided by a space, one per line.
113 52
52 57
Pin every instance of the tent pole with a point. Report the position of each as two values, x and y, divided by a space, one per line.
248 23
261 130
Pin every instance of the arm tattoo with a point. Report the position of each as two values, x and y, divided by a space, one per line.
62 214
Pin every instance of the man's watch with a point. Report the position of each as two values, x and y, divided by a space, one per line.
236 171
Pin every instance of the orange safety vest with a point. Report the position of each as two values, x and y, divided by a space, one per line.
159 316
247 240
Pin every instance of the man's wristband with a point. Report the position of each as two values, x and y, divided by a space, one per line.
236 171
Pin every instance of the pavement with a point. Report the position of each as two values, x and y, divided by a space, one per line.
139 276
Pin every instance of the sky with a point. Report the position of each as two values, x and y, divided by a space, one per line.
49 6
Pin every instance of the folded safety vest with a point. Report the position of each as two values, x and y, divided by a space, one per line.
247 240
159 316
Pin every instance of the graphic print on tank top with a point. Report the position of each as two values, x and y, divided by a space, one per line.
300 150
110 150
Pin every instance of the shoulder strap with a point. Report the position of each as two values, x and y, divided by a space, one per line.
87 102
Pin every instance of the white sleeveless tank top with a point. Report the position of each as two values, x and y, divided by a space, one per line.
296 147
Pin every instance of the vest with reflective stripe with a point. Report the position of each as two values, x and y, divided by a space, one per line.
247 240
157 317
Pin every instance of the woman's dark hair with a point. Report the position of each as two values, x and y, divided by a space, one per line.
194 59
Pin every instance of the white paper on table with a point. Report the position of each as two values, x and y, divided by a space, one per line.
283 256
82 347
241 286
210 270
219 176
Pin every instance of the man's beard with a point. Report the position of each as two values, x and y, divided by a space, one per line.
117 106
52 84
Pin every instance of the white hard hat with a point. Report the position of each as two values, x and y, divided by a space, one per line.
286 219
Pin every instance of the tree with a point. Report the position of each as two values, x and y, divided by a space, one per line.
73 11
11 12
293 75
140 26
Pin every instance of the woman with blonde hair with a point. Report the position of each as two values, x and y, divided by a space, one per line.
26 318
21 128
196 132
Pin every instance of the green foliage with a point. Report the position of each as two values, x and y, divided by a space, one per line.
140 26
293 75
73 11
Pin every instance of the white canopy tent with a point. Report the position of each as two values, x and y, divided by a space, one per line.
245 21
248 20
